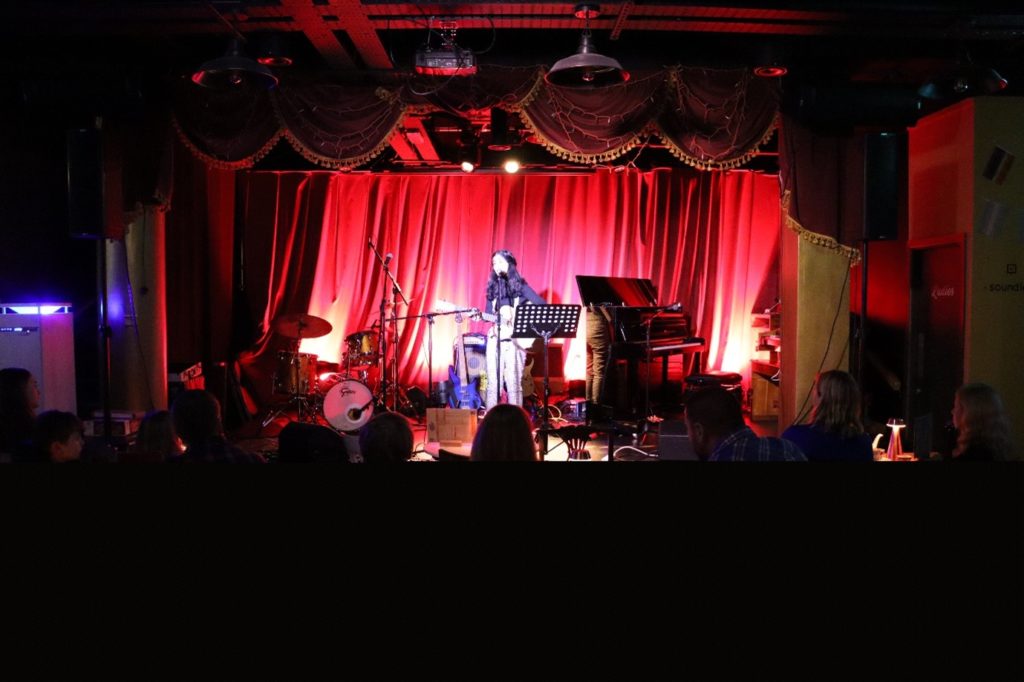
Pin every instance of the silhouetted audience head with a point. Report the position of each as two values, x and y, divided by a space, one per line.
837 404
156 441
310 444
196 417
712 414
57 437
386 438
983 429
505 435
19 400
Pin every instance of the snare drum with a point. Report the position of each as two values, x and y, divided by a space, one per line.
295 374
361 348
348 405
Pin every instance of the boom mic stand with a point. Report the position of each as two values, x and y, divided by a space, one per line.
396 291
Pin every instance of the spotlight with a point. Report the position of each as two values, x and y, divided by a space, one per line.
499 131
992 82
469 150
511 166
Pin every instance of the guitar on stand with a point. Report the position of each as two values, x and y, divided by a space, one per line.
502 320
465 393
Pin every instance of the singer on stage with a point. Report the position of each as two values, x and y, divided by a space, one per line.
506 289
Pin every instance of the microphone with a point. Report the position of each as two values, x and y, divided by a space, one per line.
387 258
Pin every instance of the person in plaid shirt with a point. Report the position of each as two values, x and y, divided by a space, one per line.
714 421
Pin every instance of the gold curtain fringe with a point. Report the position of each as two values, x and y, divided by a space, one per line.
328 161
215 162
851 254
707 165
531 95
579 157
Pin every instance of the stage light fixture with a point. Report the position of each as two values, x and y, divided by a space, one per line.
447 60
586 68
233 70
511 166
469 151
499 131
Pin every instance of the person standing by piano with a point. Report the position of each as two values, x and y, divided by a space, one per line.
599 342
506 290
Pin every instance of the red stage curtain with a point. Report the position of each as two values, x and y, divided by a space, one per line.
200 264
707 239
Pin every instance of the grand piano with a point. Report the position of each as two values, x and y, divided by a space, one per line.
629 306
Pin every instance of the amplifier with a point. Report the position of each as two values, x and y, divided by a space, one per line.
574 409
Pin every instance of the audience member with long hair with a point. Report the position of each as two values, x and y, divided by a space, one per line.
504 435
19 400
835 433
156 441
983 429
196 417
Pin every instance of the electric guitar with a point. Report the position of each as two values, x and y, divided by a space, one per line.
502 321
465 394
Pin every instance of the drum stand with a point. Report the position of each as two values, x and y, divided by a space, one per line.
300 402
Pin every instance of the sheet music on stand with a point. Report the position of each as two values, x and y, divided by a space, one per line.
550 320
558 320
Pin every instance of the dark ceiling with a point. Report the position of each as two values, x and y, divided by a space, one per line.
867 50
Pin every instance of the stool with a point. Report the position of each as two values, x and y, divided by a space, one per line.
730 381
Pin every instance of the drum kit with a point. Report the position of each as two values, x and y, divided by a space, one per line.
342 399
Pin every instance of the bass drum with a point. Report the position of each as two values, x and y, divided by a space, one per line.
348 405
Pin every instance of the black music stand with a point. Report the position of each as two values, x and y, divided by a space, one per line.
548 321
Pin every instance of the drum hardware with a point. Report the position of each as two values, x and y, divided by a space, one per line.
296 374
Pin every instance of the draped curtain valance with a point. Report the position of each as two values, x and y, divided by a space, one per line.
710 119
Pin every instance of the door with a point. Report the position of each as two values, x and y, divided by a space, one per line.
936 353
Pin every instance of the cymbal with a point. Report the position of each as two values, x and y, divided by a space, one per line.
301 326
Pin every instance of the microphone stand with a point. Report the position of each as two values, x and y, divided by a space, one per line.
396 291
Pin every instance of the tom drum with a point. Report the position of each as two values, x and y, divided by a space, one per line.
295 374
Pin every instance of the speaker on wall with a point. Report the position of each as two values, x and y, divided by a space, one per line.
884 161
85 183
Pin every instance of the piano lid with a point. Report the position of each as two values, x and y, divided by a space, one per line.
631 291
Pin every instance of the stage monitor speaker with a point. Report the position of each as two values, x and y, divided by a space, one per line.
85 183
884 159
674 443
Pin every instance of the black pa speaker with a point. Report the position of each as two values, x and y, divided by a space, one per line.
85 183
884 158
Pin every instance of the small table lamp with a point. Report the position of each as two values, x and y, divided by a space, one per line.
895 446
